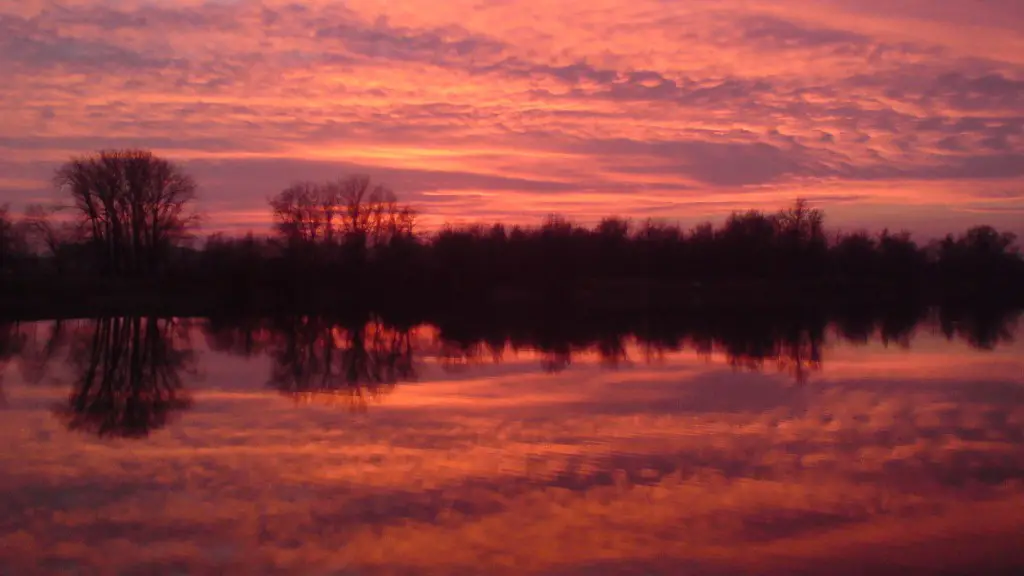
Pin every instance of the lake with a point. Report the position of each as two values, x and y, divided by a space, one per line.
305 446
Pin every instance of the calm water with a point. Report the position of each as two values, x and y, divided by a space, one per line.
302 447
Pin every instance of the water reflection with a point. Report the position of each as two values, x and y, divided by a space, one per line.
665 446
129 374
981 328
791 343
351 361
11 342
354 363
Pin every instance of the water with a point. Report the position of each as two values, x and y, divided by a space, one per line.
303 447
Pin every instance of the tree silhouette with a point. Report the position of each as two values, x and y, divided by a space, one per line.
6 237
59 241
133 206
129 377
348 247
349 211
13 245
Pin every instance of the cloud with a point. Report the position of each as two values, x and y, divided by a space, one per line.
708 162
629 104
776 33
36 48
436 46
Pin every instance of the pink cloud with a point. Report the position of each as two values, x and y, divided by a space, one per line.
649 108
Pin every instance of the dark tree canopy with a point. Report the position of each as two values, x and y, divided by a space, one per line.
134 207
349 244
349 210
12 239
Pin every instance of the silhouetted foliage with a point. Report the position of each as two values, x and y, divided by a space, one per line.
982 256
13 241
350 210
348 245
62 242
133 206
338 222
347 232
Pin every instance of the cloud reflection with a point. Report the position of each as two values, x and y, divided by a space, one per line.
681 462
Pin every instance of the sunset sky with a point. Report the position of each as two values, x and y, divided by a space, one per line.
899 113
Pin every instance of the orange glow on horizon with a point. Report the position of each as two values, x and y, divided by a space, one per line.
886 116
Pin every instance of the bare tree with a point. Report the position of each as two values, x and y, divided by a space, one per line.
53 238
348 210
6 234
134 206
801 224
372 212
12 238
298 217
43 232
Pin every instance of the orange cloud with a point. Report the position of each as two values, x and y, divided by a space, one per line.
643 107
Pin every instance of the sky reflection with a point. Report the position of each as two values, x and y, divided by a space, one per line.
687 462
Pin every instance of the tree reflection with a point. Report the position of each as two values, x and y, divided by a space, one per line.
355 361
12 340
352 362
789 341
38 353
981 328
456 356
245 337
128 376
796 353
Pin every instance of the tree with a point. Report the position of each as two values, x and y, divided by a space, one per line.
801 224
6 232
57 240
12 239
303 214
134 207
346 211
802 237
855 255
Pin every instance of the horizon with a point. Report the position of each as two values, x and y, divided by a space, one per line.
905 116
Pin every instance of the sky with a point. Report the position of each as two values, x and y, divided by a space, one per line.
896 113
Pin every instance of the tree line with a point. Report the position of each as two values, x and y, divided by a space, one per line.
128 226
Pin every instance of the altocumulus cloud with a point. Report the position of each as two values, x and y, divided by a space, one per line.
635 107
